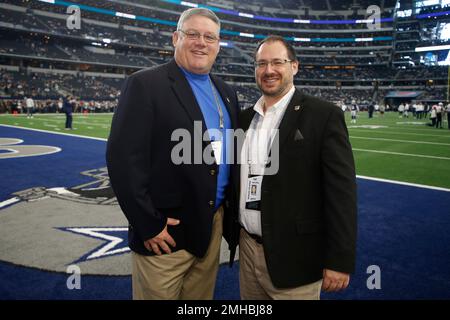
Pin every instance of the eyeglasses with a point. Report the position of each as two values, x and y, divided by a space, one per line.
276 63
195 35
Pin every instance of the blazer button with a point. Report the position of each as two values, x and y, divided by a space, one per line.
212 172
211 203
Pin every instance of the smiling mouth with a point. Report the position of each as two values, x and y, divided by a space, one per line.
199 53
270 80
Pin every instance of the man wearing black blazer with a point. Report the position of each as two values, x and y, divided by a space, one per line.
298 235
175 198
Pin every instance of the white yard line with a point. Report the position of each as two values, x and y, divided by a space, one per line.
401 133
401 154
75 122
403 141
49 125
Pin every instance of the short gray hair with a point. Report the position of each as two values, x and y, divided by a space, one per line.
197 12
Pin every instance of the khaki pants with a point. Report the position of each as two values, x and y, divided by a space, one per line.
254 279
179 275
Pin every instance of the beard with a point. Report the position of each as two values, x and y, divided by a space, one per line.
273 91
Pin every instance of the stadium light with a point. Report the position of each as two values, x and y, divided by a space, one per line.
246 15
248 35
302 39
226 44
301 21
125 15
189 4
432 48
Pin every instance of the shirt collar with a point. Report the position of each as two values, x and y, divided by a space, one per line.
277 107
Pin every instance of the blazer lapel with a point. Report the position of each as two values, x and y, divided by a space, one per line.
185 96
290 116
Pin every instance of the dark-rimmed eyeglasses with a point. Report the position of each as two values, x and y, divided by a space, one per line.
277 63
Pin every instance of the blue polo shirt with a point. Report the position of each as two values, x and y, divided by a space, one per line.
203 91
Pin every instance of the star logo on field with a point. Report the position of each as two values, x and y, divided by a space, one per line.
115 241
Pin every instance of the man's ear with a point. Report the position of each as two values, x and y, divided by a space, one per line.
295 66
175 37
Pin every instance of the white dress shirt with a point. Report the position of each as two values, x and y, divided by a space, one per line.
260 139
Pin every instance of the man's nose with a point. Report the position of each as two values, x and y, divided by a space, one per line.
201 41
269 70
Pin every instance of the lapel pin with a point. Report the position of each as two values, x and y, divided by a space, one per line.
296 108
228 100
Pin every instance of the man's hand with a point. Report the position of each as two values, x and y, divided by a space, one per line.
162 239
334 281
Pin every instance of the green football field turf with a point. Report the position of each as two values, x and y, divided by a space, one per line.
402 149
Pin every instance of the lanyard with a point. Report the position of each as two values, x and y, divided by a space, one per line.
251 137
219 107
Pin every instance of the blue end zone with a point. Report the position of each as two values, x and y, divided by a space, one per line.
55 170
21 283
404 231
401 229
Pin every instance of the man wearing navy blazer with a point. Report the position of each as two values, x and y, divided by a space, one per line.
174 198
298 234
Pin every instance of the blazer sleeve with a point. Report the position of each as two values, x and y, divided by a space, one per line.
340 201
128 158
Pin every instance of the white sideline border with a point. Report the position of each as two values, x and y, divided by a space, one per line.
409 184
59 133
423 186
9 202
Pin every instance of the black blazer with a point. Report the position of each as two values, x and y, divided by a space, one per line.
308 209
148 185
